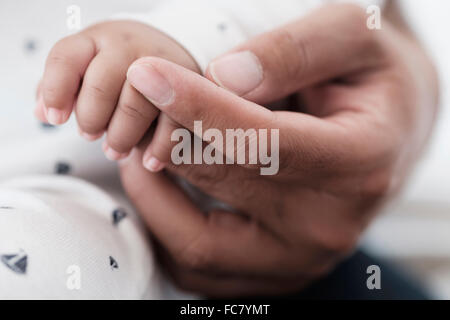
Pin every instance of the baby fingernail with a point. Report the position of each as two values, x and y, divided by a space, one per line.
239 72
55 116
90 137
112 154
39 110
152 84
152 164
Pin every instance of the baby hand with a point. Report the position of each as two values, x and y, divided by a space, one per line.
86 73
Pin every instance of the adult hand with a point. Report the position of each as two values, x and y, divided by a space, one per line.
368 100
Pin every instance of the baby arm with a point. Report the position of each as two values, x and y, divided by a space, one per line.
86 74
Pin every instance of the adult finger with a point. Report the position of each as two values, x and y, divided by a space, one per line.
188 98
330 42
198 105
216 285
198 241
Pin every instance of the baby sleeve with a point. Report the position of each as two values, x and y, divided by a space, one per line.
63 238
208 28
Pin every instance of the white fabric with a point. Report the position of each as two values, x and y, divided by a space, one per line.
74 242
209 28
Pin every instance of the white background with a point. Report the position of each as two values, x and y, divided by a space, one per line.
415 231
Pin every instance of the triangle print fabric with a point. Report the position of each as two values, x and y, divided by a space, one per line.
16 262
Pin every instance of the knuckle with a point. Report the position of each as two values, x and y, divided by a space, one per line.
290 54
134 111
59 58
96 91
61 53
58 53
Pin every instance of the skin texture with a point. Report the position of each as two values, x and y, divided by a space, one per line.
364 105
86 74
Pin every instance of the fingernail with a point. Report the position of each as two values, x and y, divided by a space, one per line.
152 164
112 154
39 109
90 137
54 116
152 84
40 101
239 72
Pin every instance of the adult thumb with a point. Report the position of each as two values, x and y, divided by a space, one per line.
331 42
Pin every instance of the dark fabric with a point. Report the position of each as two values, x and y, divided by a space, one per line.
349 282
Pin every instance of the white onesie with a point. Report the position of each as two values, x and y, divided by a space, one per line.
67 230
